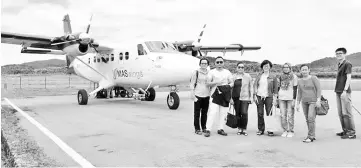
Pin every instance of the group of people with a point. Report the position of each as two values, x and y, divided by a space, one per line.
215 91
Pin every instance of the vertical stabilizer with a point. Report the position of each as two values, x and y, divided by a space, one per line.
66 24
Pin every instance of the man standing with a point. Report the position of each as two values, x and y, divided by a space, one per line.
220 80
343 95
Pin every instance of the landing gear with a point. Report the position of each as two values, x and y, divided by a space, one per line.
150 95
82 97
173 99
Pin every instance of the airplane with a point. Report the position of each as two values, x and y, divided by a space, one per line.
132 70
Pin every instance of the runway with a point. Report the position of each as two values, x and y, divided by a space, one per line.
128 132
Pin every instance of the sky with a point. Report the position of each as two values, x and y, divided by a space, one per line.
297 31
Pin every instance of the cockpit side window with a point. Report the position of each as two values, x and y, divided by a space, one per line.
141 50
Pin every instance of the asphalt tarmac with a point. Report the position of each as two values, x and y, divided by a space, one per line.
128 132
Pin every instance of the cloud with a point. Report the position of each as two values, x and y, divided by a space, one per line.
292 31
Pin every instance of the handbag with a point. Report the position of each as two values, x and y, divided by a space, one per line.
323 110
232 119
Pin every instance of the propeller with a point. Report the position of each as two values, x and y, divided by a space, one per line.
83 38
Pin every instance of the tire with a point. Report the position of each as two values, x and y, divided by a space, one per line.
82 97
173 101
123 93
104 93
151 95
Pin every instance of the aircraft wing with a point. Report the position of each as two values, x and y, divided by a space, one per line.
227 48
41 43
28 40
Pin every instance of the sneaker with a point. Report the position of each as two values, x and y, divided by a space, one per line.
221 132
290 135
344 136
207 133
260 132
270 133
352 136
340 133
198 132
284 134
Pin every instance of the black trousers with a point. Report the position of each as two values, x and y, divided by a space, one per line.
241 108
201 107
263 104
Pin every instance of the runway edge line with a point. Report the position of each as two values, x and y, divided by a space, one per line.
68 150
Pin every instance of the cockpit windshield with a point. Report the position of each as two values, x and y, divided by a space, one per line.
160 46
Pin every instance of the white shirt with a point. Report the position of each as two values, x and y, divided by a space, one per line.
223 75
263 86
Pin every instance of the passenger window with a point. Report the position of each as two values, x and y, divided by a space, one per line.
107 59
112 57
98 59
126 55
121 56
88 60
95 59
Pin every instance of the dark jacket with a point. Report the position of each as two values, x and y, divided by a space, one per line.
222 95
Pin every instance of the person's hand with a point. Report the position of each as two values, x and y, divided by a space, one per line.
318 104
343 94
275 102
251 100
293 103
231 102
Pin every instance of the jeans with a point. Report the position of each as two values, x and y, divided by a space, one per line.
287 115
309 109
241 108
344 108
201 107
263 104
219 111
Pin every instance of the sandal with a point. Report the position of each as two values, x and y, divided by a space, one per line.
244 133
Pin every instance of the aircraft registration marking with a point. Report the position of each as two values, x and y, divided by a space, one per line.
123 73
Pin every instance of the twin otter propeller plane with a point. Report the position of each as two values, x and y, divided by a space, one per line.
134 71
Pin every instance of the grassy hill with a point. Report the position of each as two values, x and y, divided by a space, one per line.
326 67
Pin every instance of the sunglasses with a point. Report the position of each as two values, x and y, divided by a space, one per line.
219 62
240 67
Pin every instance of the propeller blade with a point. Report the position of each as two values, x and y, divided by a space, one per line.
88 28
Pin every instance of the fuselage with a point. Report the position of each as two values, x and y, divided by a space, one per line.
128 69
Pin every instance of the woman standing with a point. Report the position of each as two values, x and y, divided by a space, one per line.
200 93
265 96
287 99
309 92
242 97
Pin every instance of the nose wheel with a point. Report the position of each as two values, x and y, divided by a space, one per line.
173 99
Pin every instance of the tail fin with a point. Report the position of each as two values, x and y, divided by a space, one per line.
66 25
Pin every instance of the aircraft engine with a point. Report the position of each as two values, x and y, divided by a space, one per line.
77 49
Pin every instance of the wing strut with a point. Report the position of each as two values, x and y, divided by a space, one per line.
90 67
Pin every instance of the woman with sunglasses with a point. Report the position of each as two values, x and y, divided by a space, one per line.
287 98
265 96
242 97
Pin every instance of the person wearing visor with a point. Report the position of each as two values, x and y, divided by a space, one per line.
221 83
242 97
200 95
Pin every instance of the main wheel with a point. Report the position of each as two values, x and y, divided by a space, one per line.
123 93
150 96
173 100
82 97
